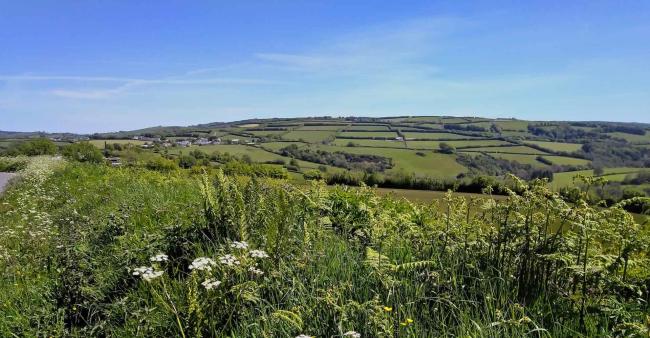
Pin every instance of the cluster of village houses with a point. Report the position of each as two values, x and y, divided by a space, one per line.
200 141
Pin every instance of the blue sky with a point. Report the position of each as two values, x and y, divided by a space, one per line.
89 66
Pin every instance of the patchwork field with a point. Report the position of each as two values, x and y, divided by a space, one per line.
457 144
309 136
369 143
435 136
611 174
639 139
408 161
369 134
100 143
557 146
506 150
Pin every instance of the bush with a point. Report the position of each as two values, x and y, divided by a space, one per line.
83 152
446 148
161 164
312 174
12 164
186 161
33 147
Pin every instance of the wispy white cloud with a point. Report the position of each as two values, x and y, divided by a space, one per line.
128 83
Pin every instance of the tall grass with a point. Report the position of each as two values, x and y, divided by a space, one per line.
240 257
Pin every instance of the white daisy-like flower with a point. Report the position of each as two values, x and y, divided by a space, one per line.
259 254
202 264
142 270
239 245
229 260
153 275
353 334
304 336
161 257
210 283
147 273
256 271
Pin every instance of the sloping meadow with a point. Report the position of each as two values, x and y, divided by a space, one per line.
89 250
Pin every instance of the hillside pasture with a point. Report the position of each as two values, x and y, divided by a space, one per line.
457 144
373 127
507 150
565 179
368 134
408 161
632 138
557 146
314 136
435 136
323 127
100 143
370 143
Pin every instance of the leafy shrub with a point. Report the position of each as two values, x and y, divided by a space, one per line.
161 164
83 152
33 147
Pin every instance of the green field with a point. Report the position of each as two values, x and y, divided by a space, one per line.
435 136
557 146
369 143
256 154
521 158
266 132
427 196
457 144
324 127
100 143
564 160
275 146
408 161
612 174
632 138
366 127
369 134
507 150
315 136
505 125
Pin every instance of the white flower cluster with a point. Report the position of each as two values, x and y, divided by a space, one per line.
202 264
304 336
239 245
210 283
161 257
229 260
256 271
259 254
353 334
147 273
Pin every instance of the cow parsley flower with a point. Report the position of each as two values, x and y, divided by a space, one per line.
239 245
147 273
259 254
142 270
353 334
229 260
202 264
256 271
161 257
210 283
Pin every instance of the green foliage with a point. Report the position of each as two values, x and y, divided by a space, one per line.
161 164
446 148
91 250
83 152
33 147
186 161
